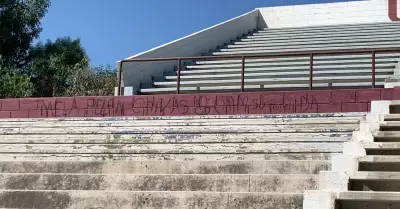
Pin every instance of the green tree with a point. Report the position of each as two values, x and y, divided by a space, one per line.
19 26
54 64
59 68
15 85
93 81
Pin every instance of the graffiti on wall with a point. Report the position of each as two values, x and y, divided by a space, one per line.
176 105
198 104
393 14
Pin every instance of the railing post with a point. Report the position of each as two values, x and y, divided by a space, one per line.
373 69
242 81
311 71
119 90
178 88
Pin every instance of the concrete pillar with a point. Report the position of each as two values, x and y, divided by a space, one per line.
345 163
374 118
319 200
362 136
392 82
380 107
367 128
125 91
355 149
333 181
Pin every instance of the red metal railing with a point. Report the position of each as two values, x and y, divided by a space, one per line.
243 58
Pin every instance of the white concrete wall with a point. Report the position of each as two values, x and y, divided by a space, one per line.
350 12
192 45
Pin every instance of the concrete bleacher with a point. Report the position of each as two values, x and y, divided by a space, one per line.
233 156
179 162
330 71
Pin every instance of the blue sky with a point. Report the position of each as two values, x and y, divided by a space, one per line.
111 30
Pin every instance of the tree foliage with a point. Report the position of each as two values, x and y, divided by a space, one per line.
50 69
93 81
53 64
19 26
15 85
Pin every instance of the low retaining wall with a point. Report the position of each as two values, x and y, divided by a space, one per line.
327 101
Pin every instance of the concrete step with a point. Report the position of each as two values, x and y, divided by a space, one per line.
379 166
380 163
220 148
174 138
321 37
312 33
380 159
326 31
191 182
147 200
318 63
362 200
382 148
375 176
270 66
237 88
386 136
180 118
167 167
302 49
394 109
382 145
194 123
305 59
189 122
277 74
375 181
383 136
381 24
298 71
390 126
301 128
315 34
341 27
332 41
391 117
268 81
158 157
377 44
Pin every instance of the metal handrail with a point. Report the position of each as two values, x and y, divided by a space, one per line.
243 57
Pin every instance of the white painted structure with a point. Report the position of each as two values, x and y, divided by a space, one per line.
351 12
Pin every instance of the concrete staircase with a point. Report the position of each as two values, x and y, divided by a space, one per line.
235 162
367 175
333 71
